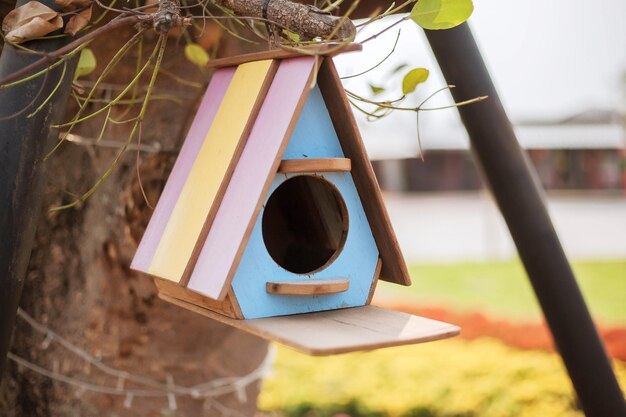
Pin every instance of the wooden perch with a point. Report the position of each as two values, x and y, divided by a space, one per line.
307 21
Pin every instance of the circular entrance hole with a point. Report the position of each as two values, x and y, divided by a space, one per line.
305 224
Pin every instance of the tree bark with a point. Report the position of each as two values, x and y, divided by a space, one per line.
79 282
306 20
24 141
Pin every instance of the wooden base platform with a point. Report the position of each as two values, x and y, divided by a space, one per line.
337 331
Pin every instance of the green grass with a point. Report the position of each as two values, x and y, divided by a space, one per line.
502 288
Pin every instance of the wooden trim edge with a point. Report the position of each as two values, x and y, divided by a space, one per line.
328 49
168 290
379 266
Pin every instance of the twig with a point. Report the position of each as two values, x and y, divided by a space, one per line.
17 113
385 29
137 166
54 90
393 49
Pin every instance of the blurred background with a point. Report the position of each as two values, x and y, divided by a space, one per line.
560 68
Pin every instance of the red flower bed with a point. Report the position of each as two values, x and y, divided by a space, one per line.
517 334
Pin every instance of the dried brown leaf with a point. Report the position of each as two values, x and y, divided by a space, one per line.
31 20
69 5
78 21
27 12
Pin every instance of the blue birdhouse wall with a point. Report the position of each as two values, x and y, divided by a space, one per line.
351 252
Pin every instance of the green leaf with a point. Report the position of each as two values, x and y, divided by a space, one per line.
196 54
441 14
413 78
86 63
293 36
399 68
376 89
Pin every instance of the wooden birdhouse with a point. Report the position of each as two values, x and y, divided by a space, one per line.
272 210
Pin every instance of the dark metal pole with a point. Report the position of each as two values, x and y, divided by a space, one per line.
516 190
23 143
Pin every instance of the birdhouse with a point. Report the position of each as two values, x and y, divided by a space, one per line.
272 220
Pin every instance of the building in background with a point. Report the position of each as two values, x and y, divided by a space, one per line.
583 152
563 84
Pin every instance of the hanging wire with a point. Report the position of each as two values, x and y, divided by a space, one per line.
168 390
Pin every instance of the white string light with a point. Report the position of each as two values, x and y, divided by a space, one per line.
79 392
225 410
171 398
47 341
168 390
121 380
128 401
240 391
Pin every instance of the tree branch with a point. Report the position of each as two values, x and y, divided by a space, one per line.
307 21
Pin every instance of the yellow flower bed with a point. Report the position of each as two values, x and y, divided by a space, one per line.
459 378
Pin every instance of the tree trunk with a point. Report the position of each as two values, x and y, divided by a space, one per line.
25 137
79 283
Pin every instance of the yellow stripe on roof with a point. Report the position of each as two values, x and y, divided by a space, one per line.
209 170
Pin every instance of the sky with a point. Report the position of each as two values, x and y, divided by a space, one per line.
549 60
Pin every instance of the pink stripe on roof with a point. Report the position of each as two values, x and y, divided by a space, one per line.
195 137
212 273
